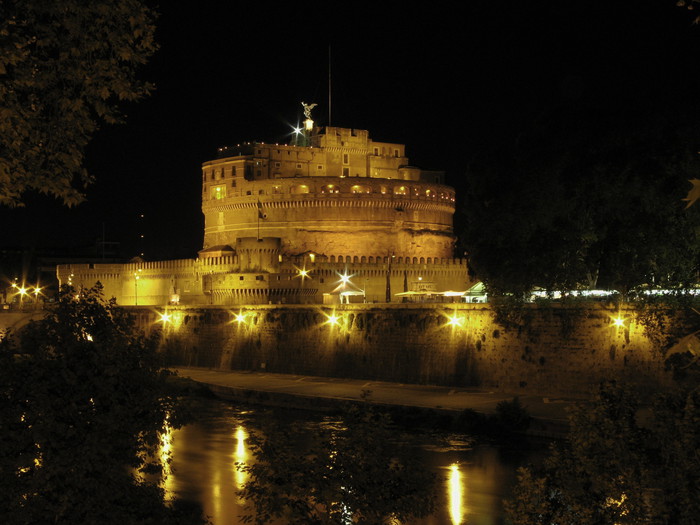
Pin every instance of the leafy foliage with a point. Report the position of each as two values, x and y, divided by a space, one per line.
64 66
83 405
617 466
347 470
595 207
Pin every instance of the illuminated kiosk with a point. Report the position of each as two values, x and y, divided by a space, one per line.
333 217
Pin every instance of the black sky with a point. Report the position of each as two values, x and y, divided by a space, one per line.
448 79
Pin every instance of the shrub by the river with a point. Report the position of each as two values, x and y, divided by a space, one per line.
83 406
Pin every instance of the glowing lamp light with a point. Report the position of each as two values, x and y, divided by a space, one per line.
165 317
619 322
333 319
345 278
239 318
455 320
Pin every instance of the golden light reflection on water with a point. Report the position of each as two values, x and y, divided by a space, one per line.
165 451
204 471
455 495
216 496
240 455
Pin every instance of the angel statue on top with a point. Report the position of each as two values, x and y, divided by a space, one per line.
307 109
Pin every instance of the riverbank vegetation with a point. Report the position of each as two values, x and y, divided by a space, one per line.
620 464
348 468
84 404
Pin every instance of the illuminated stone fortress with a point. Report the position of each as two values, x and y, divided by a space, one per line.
333 217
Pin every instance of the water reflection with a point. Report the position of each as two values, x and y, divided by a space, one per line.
165 449
240 457
454 494
205 454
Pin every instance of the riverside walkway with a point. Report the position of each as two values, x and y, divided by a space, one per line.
549 415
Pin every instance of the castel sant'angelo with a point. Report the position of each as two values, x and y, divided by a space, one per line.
333 217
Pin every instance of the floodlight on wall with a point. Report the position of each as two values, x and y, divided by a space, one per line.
240 317
454 320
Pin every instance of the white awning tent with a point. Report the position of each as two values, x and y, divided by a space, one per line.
449 295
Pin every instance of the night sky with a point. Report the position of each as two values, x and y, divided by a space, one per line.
449 85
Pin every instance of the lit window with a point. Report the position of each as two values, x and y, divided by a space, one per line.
218 192
400 190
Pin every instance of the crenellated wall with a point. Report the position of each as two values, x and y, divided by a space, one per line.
561 351
261 276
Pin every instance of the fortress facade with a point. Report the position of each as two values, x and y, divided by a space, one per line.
343 194
333 217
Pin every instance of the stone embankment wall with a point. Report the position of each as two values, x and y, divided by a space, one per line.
554 351
15 321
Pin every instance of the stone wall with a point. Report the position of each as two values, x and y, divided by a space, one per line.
553 351
358 215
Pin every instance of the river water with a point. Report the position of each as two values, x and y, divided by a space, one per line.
472 478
